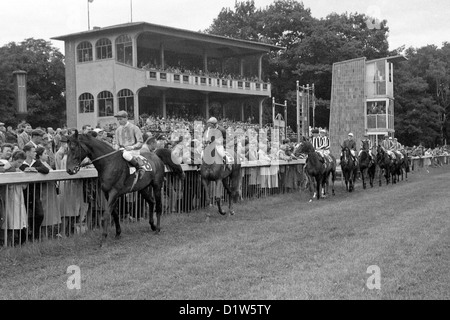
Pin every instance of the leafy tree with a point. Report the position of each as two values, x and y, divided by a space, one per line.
45 82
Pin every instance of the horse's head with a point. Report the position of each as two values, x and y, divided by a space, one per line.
76 153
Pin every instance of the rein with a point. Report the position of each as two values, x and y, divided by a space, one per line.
96 159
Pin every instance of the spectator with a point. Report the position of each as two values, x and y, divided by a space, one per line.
15 219
24 137
11 135
37 137
2 133
71 199
33 192
6 151
49 197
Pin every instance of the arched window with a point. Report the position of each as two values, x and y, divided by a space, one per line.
103 49
105 101
124 49
84 51
86 103
126 102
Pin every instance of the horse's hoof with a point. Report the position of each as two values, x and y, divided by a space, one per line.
232 212
118 236
153 227
310 200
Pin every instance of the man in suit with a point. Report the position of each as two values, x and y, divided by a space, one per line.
37 138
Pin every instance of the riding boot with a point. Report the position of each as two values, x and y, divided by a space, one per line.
140 170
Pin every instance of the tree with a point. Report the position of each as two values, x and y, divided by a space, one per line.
45 82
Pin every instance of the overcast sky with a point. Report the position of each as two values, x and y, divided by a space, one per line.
411 22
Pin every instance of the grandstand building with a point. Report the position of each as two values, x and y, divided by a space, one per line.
144 68
362 100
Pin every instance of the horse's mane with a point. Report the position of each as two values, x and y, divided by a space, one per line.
95 143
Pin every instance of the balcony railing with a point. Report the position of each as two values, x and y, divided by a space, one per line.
378 121
204 81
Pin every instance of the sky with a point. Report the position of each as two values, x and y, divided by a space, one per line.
412 23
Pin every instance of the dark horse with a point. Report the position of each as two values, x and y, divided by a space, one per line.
349 169
385 163
115 178
402 165
213 170
318 172
366 164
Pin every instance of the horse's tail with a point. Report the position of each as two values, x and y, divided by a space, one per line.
166 156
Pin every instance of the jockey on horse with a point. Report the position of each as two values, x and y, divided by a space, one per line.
321 144
397 147
129 138
366 144
351 145
219 133
387 146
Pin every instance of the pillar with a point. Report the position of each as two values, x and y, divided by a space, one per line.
241 67
260 112
260 68
161 51
20 88
163 103
206 106
205 61
242 112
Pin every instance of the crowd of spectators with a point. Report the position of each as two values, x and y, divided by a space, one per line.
198 72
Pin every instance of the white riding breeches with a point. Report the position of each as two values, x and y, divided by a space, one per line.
128 155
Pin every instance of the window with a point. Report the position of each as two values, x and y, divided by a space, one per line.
124 49
105 104
86 103
103 49
126 102
84 51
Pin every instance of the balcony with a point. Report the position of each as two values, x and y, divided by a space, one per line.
378 121
206 83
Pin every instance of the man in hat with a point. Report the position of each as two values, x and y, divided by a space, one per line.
218 134
129 138
396 147
351 145
37 137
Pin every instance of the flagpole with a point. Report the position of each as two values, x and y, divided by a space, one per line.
131 9
89 24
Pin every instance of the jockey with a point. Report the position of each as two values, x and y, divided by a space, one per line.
316 141
397 146
129 138
369 146
351 145
217 133
387 146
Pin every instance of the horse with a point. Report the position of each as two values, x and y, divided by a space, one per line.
402 165
115 177
385 164
349 169
318 172
366 164
214 170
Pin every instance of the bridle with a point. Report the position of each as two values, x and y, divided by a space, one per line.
82 146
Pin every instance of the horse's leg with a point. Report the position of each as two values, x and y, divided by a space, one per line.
147 195
206 184
111 196
218 197
230 196
318 186
158 200
362 178
312 187
333 178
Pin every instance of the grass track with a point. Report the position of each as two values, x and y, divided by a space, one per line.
273 248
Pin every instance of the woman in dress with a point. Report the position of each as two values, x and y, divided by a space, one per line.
49 199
